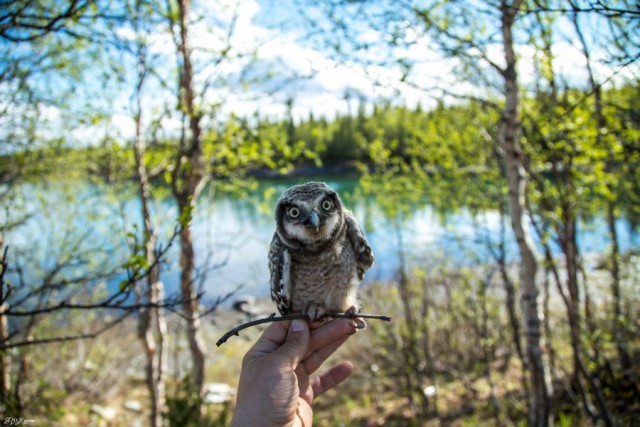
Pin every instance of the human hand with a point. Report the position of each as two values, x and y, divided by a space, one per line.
275 387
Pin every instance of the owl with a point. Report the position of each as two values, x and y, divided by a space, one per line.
318 254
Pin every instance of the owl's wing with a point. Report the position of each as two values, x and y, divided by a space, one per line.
364 254
280 266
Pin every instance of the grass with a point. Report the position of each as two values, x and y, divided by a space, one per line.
67 380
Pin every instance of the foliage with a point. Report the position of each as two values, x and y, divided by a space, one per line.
462 331
562 143
448 140
186 408
239 148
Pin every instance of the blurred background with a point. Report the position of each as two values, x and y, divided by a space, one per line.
490 150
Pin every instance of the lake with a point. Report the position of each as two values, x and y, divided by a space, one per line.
232 233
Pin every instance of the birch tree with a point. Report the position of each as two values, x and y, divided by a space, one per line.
481 37
540 404
188 179
201 87
152 327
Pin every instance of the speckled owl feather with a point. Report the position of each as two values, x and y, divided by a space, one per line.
318 254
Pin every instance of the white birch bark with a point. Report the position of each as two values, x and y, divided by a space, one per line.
540 391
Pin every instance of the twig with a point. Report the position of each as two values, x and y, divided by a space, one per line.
273 318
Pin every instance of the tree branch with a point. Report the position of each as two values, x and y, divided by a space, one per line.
63 338
272 318
115 301
468 44
38 18
598 7
3 268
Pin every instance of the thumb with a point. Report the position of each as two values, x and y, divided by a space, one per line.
296 343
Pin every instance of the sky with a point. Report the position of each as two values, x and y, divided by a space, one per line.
328 82
309 73
271 39
316 82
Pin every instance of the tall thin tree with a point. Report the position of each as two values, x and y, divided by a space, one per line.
540 398
151 321
187 182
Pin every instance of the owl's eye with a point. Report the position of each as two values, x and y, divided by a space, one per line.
327 204
293 212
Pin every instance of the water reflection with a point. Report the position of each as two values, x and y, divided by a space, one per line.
232 233
237 232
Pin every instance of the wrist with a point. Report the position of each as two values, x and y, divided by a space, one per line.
239 421
242 418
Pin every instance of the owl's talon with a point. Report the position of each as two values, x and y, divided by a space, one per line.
352 311
315 312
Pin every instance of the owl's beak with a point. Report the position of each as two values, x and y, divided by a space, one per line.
314 220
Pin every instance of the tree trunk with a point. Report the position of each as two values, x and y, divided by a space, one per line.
158 314
5 359
617 321
539 406
411 352
152 315
568 245
190 308
510 299
600 126
547 327
152 341
187 182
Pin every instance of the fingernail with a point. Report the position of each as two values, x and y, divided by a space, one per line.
297 325
360 323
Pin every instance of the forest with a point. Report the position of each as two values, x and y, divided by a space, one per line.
491 150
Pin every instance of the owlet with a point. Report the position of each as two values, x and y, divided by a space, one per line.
318 254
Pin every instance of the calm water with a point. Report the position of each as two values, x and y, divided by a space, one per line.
232 234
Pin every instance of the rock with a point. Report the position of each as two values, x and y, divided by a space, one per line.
133 406
430 391
107 413
246 305
218 393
